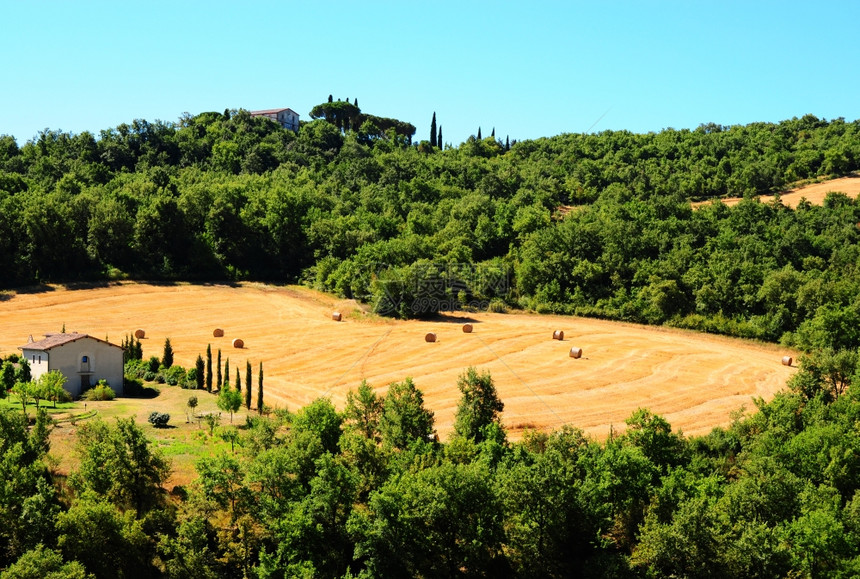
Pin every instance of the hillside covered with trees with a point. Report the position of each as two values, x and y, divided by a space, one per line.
598 225
359 210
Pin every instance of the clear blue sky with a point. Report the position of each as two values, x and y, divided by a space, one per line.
530 69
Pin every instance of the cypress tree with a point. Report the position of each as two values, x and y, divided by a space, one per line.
218 383
439 140
167 357
493 134
355 103
226 372
507 143
330 99
433 130
247 384
260 390
138 350
479 133
199 366
238 382
209 367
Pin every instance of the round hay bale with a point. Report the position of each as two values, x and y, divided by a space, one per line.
336 316
467 328
787 360
576 352
238 343
430 337
558 335
139 334
218 333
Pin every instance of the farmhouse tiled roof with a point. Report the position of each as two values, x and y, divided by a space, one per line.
271 111
54 340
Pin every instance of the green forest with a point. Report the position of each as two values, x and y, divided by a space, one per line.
597 225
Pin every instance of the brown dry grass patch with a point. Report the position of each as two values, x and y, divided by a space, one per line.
694 380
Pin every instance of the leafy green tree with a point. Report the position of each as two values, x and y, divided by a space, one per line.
404 417
22 373
190 406
44 563
439 521
7 377
363 411
106 541
167 356
28 503
49 386
229 400
118 464
479 405
322 420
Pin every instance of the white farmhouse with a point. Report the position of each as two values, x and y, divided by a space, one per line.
83 360
287 118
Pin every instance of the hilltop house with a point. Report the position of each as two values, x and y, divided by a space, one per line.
287 118
83 360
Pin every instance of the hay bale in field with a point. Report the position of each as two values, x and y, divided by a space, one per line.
787 360
558 335
430 337
218 333
467 328
336 316
238 343
139 334
576 352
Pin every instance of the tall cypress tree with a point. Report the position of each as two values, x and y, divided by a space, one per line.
479 133
439 140
260 390
493 134
167 357
247 384
433 130
507 143
199 367
218 383
238 382
226 371
209 367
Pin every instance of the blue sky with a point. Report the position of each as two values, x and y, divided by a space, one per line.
529 69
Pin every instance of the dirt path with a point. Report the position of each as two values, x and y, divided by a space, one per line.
694 380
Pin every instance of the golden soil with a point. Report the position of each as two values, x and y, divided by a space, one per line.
694 380
814 193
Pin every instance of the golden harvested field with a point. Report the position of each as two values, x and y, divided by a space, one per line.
814 193
694 380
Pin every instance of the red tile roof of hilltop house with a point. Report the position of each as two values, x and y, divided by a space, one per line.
54 340
271 111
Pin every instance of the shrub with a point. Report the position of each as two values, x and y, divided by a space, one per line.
159 419
497 306
149 376
132 386
100 392
174 375
154 364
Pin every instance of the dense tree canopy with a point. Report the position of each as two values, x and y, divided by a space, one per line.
595 224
